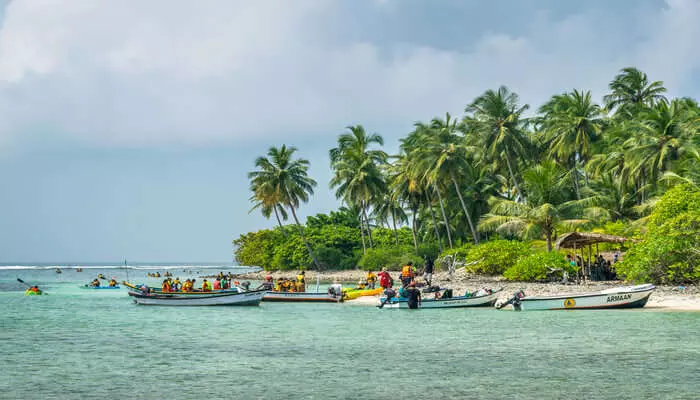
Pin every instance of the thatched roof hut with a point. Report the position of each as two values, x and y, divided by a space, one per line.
577 240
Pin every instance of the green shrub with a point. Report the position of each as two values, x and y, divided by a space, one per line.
494 257
669 251
540 266
393 258
428 250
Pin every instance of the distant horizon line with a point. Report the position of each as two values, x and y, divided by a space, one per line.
79 263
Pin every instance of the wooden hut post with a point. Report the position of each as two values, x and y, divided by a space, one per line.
590 250
580 273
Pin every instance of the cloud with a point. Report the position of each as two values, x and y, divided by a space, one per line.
173 73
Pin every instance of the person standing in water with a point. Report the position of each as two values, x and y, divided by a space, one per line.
428 271
413 296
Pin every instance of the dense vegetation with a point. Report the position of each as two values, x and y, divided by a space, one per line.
499 172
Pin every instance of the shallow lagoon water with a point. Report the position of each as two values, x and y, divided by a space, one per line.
77 343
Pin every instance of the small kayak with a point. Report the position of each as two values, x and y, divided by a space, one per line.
99 287
353 294
32 293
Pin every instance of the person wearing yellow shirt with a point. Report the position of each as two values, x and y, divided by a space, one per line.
301 282
371 279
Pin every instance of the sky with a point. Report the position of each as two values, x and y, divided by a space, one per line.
127 128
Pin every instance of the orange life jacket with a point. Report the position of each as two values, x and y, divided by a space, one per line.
406 271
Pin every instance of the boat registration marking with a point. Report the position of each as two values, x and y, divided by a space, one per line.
619 297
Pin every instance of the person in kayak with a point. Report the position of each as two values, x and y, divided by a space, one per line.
95 283
112 283
33 290
361 285
413 296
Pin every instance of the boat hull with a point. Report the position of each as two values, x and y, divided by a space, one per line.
486 300
203 299
100 287
626 297
302 297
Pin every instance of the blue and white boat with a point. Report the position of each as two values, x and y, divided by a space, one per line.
481 298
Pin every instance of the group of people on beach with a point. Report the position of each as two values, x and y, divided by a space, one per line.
410 287
599 269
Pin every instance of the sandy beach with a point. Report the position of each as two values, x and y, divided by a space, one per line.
663 298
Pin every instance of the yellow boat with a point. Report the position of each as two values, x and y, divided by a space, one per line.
351 294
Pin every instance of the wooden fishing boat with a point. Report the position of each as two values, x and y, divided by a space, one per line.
352 294
620 297
302 297
228 298
156 290
481 299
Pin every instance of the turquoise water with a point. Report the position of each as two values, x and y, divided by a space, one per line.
77 343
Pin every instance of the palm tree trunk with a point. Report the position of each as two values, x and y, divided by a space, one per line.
303 238
396 232
432 215
548 233
413 229
512 176
575 178
278 221
369 230
444 216
362 231
466 212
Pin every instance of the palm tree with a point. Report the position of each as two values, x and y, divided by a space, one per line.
547 206
496 117
288 179
572 122
268 201
388 207
358 177
615 196
442 157
404 186
664 136
631 91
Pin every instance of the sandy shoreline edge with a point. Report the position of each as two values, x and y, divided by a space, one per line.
663 298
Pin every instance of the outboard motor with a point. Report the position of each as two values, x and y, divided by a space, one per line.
390 294
515 301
